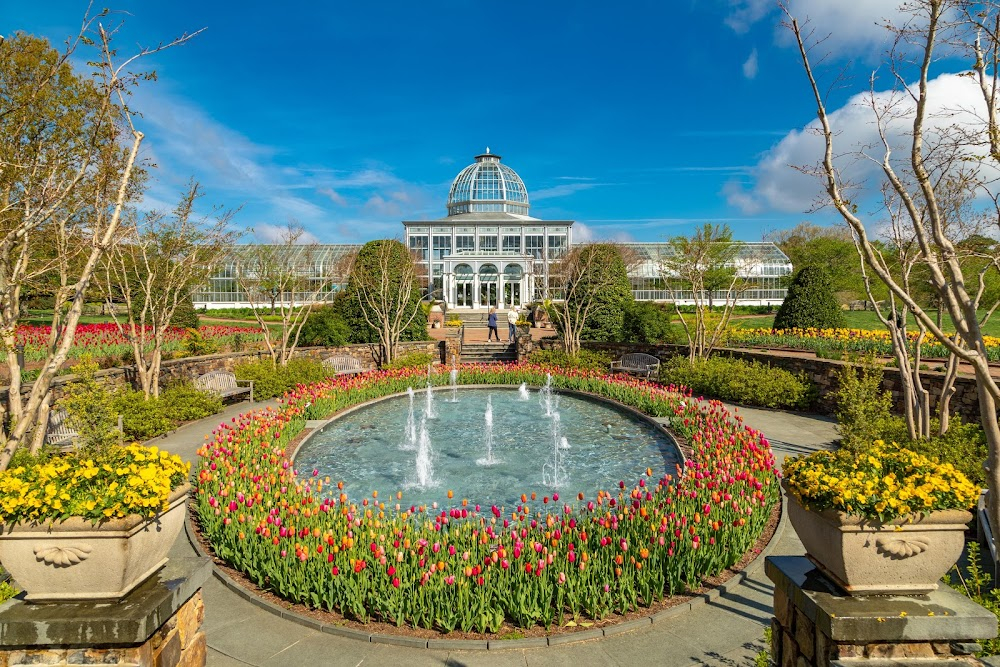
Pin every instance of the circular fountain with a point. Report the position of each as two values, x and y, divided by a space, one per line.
487 445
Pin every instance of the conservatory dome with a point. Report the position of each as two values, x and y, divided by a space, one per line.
486 186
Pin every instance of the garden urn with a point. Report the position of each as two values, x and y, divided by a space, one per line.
905 556
75 559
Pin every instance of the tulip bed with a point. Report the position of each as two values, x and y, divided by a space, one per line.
105 340
862 341
476 568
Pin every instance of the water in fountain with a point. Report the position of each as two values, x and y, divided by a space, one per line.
429 411
553 471
545 396
489 459
522 392
425 465
453 375
410 440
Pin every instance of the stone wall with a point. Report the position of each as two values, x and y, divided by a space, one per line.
190 368
821 372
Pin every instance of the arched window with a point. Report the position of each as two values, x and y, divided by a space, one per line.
488 273
512 272
463 273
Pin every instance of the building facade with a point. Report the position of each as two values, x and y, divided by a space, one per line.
488 251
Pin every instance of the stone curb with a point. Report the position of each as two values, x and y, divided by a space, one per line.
709 597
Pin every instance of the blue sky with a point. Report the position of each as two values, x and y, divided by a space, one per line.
639 120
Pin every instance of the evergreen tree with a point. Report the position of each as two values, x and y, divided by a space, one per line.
810 302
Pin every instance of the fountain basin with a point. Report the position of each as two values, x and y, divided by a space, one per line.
364 448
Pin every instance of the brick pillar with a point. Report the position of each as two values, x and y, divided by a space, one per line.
815 625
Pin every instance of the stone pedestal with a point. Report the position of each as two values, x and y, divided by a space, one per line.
816 625
156 625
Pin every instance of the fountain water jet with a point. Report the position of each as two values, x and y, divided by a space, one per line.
410 437
429 411
489 459
453 377
545 396
522 392
554 473
424 463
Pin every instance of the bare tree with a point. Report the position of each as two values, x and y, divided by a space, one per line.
711 271
284 276
68 157
593 283
933 159
385 283
154 268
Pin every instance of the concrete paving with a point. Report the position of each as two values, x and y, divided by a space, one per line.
728 632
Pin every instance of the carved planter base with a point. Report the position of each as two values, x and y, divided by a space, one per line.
904 557
76 560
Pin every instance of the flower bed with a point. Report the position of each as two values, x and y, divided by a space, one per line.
862 341
474 568
105 340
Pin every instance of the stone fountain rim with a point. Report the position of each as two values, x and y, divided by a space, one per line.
321 424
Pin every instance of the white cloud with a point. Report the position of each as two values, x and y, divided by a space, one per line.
333 196
774 183
561 190
266 233
750 66
856 24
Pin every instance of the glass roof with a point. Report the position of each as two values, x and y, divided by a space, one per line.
487 186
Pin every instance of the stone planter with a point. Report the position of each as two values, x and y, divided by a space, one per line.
906 556
77 560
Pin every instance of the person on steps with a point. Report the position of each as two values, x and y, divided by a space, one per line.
491 322
512 318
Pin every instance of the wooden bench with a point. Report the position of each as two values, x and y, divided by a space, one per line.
636 363
343 365
59 432
223 384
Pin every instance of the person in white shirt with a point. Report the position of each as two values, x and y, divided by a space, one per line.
512 318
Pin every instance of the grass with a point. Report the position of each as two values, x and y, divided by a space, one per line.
861 319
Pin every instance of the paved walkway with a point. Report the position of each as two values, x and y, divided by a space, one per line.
727 632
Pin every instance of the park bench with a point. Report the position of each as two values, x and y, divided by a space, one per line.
343 365
636 363
59 433
223 384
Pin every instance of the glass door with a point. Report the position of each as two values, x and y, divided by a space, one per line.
487 295
464 295
512 295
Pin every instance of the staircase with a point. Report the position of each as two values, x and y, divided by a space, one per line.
484 353
471 319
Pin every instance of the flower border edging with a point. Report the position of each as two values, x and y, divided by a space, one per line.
709 597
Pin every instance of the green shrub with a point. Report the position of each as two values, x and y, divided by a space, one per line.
7 591
601 279
963 445
185 316
271 380
90 408
142 418
325 326
586 359
183 403
976 584
810 302
196 345
411 360
650 323
746 382
864 411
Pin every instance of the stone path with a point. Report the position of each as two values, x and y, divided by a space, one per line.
725 633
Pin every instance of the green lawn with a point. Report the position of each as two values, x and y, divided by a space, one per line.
861 319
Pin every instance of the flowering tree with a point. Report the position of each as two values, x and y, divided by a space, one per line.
280 275
68 161
152 270
709 269
919 166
